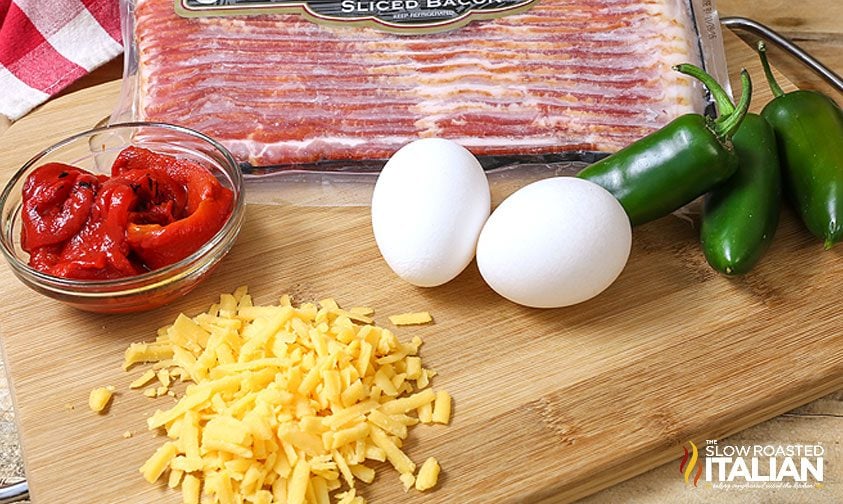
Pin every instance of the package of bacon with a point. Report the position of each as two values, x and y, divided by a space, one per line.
339 85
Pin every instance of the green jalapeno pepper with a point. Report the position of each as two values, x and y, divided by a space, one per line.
809 133
740 215
668 169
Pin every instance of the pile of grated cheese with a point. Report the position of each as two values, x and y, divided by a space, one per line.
287 403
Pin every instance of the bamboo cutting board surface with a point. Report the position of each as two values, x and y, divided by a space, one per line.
549 405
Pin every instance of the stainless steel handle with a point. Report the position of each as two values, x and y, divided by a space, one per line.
797 52
13 491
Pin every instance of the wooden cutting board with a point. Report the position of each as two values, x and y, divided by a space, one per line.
549 405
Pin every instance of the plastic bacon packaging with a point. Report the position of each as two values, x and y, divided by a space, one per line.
339 86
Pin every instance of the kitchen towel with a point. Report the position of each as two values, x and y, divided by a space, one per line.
47 45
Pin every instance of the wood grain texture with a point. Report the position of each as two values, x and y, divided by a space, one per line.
818 17
548 405
815 25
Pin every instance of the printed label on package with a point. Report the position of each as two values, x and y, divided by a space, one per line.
398 16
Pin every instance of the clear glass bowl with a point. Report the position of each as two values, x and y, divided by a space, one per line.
95 151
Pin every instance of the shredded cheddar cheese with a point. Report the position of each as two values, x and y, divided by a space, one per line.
287 403
428 475
441 408
99 398
407 479
143 379
411 318
362 310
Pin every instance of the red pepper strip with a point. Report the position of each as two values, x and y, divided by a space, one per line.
137 158
160 199
160 246
57 200
44 258
206 210
198 182
100 250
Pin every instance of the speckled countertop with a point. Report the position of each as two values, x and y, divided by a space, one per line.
11 464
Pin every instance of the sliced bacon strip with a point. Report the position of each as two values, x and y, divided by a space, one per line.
566 75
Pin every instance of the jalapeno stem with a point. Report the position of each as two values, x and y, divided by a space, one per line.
724 103
727 125
768 72
730 115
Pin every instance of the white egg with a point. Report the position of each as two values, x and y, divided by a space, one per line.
555 242
428 207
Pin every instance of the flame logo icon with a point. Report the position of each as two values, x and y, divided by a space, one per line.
686 470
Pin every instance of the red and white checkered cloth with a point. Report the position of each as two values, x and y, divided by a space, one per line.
45 45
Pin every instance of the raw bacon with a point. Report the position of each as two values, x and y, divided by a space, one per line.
279 90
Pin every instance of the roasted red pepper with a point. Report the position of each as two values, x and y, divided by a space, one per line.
57 200
154 211
100 250
207 205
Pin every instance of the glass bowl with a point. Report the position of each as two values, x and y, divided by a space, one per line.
95 151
